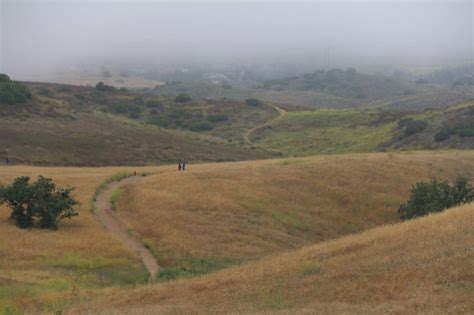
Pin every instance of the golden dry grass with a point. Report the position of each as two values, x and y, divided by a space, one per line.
241 211
39 266
421 266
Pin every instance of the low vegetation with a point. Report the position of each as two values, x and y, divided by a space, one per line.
40 204
183 98
436 196
13 92
104 87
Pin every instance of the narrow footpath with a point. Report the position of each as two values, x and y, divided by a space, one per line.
109 219
248 133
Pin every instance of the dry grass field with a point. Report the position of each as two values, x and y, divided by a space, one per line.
43 269
215 215
219 215
421 266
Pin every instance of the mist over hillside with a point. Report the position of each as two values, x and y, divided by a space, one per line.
246 41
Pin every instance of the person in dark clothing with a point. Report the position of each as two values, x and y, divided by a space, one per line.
184 166
180 166
7 160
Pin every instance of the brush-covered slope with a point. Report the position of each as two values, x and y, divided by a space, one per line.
421 266
212 216
354 130
77 125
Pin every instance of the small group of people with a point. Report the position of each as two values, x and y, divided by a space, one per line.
182 166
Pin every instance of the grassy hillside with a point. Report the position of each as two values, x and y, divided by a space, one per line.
215 215
72 125
251 214
421 266
367 130
83 125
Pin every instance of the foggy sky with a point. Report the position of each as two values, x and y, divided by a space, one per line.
39 36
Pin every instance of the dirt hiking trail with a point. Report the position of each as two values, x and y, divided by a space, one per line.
248 133
109 219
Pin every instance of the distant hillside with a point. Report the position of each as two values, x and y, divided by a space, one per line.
452 127
335 88
52 124
367 130
73 125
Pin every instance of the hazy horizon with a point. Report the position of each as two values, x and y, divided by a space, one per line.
46 36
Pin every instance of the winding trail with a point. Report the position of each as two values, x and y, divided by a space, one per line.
109 219
281 113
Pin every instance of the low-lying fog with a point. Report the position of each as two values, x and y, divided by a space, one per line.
39 37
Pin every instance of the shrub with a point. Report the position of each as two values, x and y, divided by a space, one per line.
39 204
44 91
153 103
253 102
466 131
470 110
442 135
4 77
415 126
463 131
404 122
182 98
103 87
200 126
217 118
132 110
436 196
12 92
139 100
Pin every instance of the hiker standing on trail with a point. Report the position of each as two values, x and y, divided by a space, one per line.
184 166
179 166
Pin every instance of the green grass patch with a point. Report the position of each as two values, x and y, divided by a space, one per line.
7 308
114 178
291 162
115 197
311 269
96 271
194 266
79 262
275 301
288 218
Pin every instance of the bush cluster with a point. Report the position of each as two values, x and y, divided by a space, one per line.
217 118
13 92
436 196
40 204
131 110
182 98
462 131
153 103
253 102
104 87
415 126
